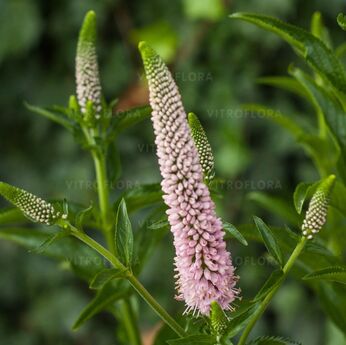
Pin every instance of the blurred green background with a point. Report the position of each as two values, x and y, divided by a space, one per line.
215 62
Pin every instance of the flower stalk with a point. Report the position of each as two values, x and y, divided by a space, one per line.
262 307
204 268
315 218
142 291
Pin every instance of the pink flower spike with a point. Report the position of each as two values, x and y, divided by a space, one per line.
204 268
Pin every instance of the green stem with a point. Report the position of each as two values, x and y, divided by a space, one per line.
156 306
260 310
102 186
103 195
143 292
130 322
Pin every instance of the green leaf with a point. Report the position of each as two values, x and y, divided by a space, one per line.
333 273
338 197
234 232
270 340
204 339
272 282
269 240
285 83
239 318
330 107
319 30
104 299
277 205
148 235
162 223
11 215
81 215
340 50
123 235
314 256
316 147
103 277
141 196
341 19
312 49
333 300
302 191
321 151
85 261
48 242
128 118
53 116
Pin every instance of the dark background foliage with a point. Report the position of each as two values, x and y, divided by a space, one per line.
215 62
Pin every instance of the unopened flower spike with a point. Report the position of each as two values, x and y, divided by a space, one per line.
316 214
35 208
87 71
218 319
205 152
204 268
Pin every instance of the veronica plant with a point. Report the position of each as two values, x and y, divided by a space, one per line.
205 276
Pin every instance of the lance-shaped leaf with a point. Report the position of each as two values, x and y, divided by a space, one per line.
87 71
271 340
204 339
104 298
285 83
140 196
205 152
311 48
333 300
240 318
68 250
51 115
333 273
323 101
272 282
33 207
316 214
301 193
105 276
234 232
11 215
124 235
128 118
269 240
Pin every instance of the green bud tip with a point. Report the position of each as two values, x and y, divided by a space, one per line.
316 214
218 318
88 31
146 51
205 152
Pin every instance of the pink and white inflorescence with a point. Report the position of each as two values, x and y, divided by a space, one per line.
203 265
